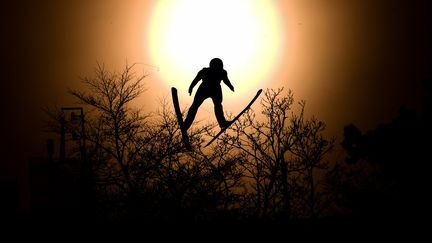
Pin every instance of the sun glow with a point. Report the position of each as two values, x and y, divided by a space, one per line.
185 35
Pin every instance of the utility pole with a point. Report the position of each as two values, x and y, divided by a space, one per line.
73 119
85 167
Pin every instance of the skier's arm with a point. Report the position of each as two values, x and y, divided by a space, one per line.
228 82
194 82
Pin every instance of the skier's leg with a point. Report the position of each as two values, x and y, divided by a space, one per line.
218 108
220 115
198 100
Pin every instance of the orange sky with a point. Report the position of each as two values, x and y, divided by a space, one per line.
352 61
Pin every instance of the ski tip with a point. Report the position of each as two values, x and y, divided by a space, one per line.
173 89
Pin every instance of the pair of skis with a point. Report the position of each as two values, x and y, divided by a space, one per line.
185 137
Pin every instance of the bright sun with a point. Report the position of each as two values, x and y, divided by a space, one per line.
186 34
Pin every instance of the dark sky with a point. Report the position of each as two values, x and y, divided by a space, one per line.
383 51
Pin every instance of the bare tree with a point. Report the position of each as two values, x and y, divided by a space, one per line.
114 128
282 150
198 185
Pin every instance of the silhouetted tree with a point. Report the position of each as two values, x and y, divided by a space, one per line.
282 151
384 177
183 185
116 127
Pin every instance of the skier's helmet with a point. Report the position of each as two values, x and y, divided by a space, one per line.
216 63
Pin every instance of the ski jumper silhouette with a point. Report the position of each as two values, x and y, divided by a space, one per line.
210 88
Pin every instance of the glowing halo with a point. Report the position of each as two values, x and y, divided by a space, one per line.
185 35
